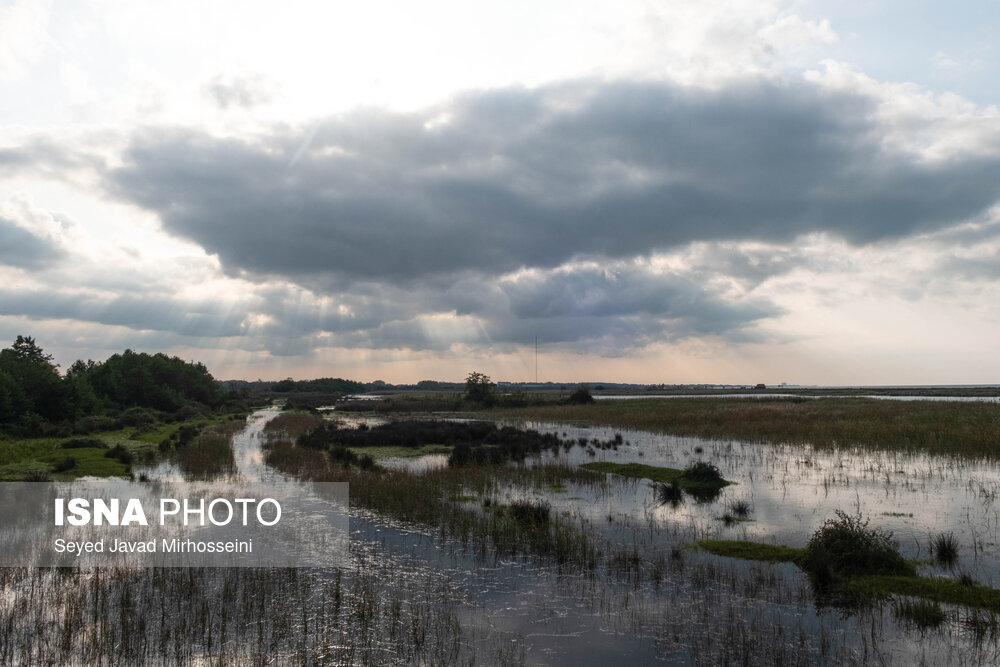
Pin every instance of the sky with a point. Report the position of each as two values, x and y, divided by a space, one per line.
653 192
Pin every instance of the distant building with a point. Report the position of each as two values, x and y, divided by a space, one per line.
761 386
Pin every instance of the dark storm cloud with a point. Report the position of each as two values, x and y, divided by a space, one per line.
160 313
21 248
532 178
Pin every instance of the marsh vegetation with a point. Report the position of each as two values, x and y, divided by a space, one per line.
536 543
966 429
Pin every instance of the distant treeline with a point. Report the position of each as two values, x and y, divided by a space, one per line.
323 385
35 399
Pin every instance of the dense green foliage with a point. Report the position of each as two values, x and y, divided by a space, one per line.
321 385
480 389
472 442
128 389
846 547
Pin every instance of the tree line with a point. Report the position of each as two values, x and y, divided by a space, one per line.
35 399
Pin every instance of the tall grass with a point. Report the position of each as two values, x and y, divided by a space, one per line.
210 453
936 427
365 615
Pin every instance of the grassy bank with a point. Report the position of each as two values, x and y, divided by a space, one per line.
112 453
936 427
963 592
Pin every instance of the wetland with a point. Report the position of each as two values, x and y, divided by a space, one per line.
573 535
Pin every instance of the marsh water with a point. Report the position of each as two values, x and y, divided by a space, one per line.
654 599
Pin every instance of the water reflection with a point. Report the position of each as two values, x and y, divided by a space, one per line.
688 607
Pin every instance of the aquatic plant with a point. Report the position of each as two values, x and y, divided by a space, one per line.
923 614
667 493
703 472
945 548
740 508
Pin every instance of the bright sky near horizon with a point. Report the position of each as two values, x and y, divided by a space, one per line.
664 191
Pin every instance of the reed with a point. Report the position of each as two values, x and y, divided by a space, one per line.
936 427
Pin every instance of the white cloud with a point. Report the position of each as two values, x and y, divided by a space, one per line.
23 37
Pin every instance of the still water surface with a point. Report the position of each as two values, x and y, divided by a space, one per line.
701 605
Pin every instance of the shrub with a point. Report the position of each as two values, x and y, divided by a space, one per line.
138 417
847 547
581 396
704 472
82 443
64 464
119 452
94 423
342 455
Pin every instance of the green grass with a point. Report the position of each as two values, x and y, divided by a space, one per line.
947 591
745 550
654 473
39 458
937 427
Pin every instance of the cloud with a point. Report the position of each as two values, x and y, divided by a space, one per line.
24 31
604 217
239 91
30 237
510 179
21 248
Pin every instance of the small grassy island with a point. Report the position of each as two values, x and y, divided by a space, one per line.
850 563
699 476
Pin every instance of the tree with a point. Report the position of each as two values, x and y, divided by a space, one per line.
581 396
38 387
24 347
479 388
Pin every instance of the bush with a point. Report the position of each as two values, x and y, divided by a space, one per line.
846 547
119 452
138 417
64 464
94 423
83 443
581 396
704 472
